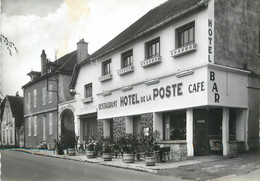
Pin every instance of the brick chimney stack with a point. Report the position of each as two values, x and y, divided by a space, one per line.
44 63
82 50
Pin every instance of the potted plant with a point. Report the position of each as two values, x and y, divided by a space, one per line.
148 141
107 149
91 148
128 143
58 147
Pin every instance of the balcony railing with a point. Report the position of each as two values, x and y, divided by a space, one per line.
105 77
184 50
151 61
126 70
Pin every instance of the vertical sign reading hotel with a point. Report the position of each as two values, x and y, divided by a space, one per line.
210 41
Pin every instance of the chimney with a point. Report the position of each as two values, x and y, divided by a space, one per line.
44 63
82 50
17 94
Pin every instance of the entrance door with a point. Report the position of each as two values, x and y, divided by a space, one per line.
201 133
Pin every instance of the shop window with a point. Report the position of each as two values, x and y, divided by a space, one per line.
153 48
127 59
185 35
88 90
214 123
174 126
106 67
89 129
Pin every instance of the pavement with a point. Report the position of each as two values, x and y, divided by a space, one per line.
118 162
214 167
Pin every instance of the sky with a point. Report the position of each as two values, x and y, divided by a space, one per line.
56 26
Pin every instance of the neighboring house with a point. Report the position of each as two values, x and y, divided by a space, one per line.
188 68
42 95
11 120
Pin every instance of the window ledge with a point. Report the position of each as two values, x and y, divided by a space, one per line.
105 77
151 61
126 70
184 50
87 100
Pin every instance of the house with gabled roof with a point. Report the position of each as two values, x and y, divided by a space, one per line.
43 93
11 120
187 68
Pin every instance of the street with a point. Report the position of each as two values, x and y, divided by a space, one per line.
23 166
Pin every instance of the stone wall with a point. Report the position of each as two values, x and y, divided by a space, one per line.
119 127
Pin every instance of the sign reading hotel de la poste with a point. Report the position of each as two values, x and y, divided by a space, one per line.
204 87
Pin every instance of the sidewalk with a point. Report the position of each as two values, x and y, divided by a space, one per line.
118 162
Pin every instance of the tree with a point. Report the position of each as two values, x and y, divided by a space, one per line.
9 45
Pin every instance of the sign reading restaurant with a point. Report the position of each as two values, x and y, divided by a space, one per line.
173 90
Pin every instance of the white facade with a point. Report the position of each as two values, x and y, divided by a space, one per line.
187 83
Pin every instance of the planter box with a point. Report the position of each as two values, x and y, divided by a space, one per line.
107 156
128 158
150 161
91 154
71 152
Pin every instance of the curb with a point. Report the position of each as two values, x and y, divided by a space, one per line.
137 168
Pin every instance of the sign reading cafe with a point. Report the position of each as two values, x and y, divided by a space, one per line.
173 90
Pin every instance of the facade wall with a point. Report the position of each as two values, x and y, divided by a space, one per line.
33 140
64 94
8 126
183 84
168 65
237 34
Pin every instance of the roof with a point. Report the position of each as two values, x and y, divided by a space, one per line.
16 104
2 108
65 64
155 19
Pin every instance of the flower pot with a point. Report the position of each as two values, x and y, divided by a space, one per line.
71 152
128 158
150 161
91 154
107 156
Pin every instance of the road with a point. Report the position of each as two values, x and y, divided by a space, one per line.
26 167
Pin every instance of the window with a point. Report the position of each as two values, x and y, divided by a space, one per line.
44 92
34 98
153 48
127 59
106 67
89 128
3 136
35 125
88 90
29 100
185 35
174 126
11 136
50 93
50 124
44 128
29 126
